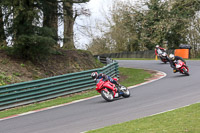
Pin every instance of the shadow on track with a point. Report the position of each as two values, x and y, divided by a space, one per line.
116 99
178 76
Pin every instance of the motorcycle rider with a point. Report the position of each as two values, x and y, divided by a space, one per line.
105 77
159 50
173 59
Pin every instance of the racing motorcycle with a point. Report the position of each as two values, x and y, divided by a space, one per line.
163 57
109 91
182 68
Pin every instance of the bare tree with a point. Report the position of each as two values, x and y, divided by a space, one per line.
194 35
70 16
69 19
119 37
2 34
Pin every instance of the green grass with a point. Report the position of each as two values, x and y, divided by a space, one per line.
133 76
183 120
4 79
193 59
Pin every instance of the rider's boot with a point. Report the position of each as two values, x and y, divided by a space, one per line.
174 70
119 89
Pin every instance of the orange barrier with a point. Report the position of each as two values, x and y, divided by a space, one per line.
184 53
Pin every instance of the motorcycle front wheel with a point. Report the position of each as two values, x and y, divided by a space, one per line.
185 72
126 92
107 95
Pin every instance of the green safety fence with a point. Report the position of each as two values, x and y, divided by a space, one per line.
43 89
134 54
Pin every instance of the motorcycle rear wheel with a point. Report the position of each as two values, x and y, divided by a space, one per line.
107 95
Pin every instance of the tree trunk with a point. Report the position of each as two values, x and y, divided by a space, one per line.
51 17
68 41
2 34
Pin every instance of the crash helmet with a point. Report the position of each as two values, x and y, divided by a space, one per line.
157 46
171 56
94 75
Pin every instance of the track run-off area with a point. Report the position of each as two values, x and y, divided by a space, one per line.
171 91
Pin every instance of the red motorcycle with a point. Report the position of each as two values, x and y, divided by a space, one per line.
109 91
182 68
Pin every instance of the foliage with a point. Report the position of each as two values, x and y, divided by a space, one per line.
4 79
30 41
193 36
2 35
35 46
100 45
138 28
33 26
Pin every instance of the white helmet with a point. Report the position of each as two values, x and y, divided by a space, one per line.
157 46
171 56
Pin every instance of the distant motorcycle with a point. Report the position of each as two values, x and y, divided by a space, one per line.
163 57
109 91
182 68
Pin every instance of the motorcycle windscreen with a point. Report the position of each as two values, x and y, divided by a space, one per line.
179 64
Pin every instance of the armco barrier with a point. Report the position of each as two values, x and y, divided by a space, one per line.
39 90
135 54
104 59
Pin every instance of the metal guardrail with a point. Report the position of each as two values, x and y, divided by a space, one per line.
39 90
104 59
134 54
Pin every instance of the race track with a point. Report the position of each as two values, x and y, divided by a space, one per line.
170 92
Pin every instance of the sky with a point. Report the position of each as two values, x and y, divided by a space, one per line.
99 9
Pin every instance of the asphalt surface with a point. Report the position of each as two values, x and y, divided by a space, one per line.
171 92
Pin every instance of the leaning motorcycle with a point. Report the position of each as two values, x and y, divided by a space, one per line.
182 68
109 91
163 57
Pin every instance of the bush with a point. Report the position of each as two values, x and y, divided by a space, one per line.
35 46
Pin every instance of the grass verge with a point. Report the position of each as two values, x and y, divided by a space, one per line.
186 119
129 77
